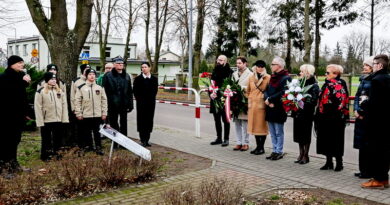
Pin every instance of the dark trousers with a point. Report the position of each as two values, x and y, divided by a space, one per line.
144 137
113 115
364 161
218 117
11 137
379 163
51 134
75 130
90 126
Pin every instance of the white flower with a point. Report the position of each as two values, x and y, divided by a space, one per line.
299 97
295 81
290 97
228 87
291 89
287 91
298 89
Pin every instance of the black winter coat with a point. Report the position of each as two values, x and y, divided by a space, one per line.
360 105
145 91
118 90
274 95
303 118
220 73
13 103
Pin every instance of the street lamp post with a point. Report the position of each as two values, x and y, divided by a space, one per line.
190 52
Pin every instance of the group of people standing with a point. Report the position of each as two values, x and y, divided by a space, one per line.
327 108
93 101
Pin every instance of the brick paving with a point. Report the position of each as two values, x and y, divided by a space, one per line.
258 174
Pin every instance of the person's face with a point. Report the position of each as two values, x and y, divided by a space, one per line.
54 71
52 82
240 65
18 67
377 66
259 69
331 73
367 69
303 74
221 60
275 67
118 67
91 77
145 69
107 69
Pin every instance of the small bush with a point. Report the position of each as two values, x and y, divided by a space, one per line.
216 191
116 172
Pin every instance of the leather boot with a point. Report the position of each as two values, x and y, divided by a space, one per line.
301 150
260 146
305 158
328 165
257 144
339 164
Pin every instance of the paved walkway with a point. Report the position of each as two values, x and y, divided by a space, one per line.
257 173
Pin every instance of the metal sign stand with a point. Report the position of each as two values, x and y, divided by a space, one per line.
111 150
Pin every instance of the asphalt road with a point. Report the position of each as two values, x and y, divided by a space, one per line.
181 117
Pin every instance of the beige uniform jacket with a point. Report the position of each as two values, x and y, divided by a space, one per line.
73 88
50 106
61 83
91 100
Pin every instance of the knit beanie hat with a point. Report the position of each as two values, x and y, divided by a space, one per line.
51 66
90 71
13 60
83 67
369 61
48 75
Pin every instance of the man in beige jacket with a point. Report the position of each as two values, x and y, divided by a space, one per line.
51 110
91 110
242 75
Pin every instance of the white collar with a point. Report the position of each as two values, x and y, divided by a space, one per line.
146 76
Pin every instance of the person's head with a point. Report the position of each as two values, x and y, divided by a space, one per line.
118 64
16 63
333 71
108 67
241 63
307 71
381 62
145 68
52 68
84 67
90 74
259 66
50 78
222 60
277 65
368 65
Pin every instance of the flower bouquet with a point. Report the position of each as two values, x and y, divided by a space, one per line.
295 95
235 101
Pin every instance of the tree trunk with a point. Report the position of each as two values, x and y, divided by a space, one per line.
198 42
289 47
147 25
372 28
64 44
129 30
308 40
317 34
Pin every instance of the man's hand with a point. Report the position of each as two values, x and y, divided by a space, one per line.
267 102
104 117
27 78
271 105
80 118
357 114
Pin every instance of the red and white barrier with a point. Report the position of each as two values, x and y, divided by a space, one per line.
180 103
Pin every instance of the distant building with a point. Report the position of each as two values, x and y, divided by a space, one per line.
3 58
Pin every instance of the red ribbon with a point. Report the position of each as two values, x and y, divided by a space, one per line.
213 88
228 93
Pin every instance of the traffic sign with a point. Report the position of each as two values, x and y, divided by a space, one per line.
34 52
84 56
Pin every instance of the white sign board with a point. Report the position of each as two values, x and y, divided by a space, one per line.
126 142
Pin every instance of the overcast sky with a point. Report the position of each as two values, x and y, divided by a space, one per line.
27 28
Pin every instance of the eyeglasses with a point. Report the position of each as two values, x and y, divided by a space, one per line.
327 73
274 64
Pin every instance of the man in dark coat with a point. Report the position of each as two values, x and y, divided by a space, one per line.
145 91
117 85
378 112
220 73
13 111
275 114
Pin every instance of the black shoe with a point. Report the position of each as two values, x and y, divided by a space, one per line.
225 143
357 174
277 156
327 166
304 161
297 161
217 141
144 144
147 144
339 167
253 151
258 151
271 155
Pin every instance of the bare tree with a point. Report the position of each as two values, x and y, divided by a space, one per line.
308 39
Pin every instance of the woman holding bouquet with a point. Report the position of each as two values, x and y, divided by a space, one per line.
303 117
257 125
330 118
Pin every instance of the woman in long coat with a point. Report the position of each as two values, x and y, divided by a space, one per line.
330 118
303 118
257 125
145 91
360 109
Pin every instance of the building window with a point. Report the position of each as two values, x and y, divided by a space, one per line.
25 50
17 50
34 46
108 52
11 52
